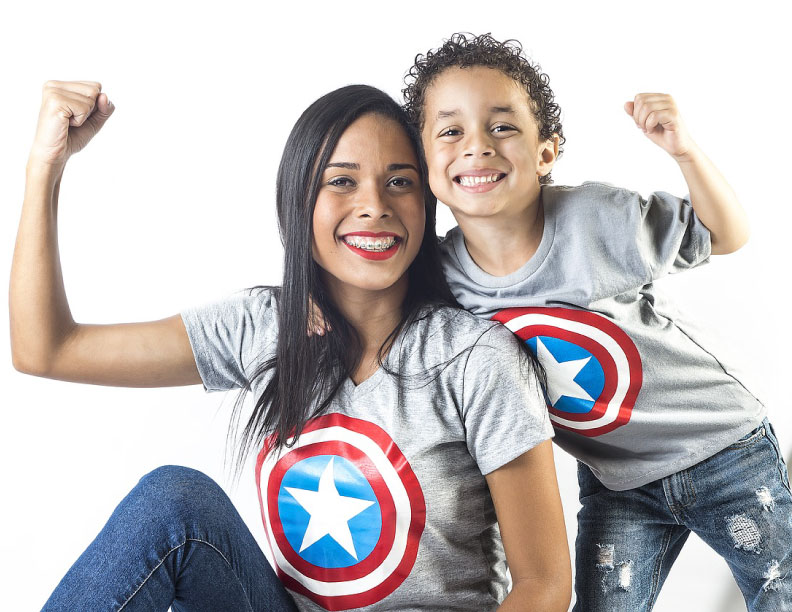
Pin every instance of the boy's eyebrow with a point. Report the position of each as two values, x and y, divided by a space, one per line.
390 168
493 109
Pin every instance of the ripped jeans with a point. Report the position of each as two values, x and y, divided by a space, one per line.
738 501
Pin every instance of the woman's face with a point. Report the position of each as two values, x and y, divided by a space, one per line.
368 222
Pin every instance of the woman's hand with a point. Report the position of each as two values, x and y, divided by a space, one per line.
72 112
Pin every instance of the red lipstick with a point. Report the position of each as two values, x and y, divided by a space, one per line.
374 255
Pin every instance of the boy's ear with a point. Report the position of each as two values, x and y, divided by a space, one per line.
547 154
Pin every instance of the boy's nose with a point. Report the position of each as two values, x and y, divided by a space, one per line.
478 145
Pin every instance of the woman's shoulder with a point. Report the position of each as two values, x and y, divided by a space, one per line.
253 300
248 315
445 331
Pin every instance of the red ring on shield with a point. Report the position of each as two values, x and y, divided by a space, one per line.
612 373
384 498
336 594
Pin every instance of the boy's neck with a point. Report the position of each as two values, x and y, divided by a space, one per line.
501 244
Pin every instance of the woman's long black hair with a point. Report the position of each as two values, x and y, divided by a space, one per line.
307 371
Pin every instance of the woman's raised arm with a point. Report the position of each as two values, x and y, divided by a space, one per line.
45 340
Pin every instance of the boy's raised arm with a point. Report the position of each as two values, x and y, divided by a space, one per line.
711 196
45 340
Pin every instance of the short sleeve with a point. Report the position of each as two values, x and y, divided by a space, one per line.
504 410
230 338
671 237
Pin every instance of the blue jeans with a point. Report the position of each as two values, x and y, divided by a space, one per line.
175 540
738 501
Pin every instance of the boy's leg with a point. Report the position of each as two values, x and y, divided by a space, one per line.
626 544
744 512
176 539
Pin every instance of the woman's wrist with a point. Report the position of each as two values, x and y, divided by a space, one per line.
39 170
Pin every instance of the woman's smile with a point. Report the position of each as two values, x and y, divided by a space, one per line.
371 245
371 201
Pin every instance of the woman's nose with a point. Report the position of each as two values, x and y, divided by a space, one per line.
372 204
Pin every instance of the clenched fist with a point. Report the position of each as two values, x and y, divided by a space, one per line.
72 112
659 118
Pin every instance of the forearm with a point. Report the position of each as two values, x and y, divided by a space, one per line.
39 312
546 595
715 202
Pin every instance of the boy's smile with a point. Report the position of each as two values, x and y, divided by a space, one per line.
482 143
478 181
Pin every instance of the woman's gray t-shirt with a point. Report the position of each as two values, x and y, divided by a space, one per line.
382 504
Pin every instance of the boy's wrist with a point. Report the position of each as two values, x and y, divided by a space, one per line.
692 155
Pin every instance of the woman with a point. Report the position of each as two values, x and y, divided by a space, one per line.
380 443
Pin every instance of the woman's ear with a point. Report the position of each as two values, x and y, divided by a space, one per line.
547 155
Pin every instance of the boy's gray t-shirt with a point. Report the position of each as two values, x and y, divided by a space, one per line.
634 391
382 503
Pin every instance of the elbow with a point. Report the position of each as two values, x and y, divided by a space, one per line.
35 360
24 363
37 355
731 244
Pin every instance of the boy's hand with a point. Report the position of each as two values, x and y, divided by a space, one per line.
72 112
657 115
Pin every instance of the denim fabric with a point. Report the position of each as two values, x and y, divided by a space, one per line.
738 501
176 539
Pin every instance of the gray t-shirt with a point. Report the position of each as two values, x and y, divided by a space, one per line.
382 504
634 390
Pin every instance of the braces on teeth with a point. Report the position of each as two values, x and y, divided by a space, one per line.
378 245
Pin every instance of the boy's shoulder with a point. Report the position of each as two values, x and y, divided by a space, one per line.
589 192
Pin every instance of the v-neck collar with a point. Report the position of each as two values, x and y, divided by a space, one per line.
352 392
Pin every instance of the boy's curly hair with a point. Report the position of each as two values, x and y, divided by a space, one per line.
466 50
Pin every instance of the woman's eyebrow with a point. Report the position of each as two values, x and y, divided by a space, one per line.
389 168
394 167
346 165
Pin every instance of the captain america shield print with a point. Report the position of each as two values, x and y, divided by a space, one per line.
343 511
593 368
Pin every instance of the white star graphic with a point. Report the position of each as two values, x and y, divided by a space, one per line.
561 375
330 512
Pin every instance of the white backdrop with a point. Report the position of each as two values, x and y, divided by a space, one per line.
173 204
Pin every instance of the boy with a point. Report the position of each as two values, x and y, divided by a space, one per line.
668 440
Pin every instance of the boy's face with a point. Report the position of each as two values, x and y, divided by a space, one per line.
482 143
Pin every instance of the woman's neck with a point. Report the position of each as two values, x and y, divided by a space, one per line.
373 314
